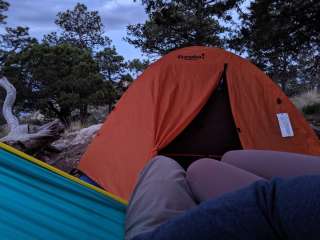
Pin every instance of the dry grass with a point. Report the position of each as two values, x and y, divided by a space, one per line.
75 126
307 99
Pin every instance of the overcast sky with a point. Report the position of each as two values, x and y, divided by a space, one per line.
39 16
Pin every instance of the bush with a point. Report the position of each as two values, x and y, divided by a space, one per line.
311 109
307 100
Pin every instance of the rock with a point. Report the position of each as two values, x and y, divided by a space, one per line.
72 145
85 135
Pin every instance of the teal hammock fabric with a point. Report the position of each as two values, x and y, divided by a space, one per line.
36 203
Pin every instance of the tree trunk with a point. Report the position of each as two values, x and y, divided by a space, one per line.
15 129
283 84
11 92
64 118
19 135
83 113
63 115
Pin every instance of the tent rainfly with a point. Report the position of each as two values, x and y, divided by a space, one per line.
194 102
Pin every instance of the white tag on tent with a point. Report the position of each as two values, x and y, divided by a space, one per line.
285 125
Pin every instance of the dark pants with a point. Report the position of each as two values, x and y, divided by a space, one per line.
166 192
265 210
237 169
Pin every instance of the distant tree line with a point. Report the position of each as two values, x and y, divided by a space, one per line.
282 37
68 70
78 66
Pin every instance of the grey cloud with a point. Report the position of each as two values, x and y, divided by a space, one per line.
122 15
42 13
39 15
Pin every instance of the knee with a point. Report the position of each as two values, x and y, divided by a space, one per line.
201 167
161 167
163 161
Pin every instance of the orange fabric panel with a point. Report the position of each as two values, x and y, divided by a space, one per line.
153 111
255 100
168 96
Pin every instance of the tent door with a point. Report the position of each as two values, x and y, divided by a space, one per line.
211 133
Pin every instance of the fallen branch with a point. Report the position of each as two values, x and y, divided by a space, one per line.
19 136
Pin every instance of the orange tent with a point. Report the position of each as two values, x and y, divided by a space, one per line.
171 101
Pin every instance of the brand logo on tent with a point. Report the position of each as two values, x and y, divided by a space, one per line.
191 57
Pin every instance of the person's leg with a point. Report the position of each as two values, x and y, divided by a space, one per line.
280 209
161 193
209 178
269 164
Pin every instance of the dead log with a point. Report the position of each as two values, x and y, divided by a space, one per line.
20 136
